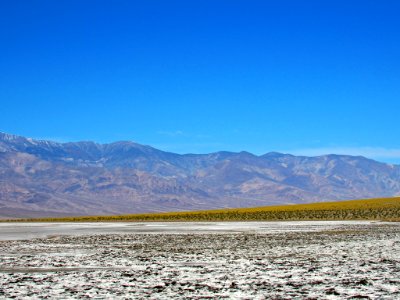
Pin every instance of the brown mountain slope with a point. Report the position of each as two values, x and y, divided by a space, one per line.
42 178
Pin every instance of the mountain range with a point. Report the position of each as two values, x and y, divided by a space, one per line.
43 178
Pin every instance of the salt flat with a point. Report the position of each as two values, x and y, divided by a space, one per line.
256 260
20 231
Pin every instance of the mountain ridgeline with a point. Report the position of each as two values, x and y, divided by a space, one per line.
43 178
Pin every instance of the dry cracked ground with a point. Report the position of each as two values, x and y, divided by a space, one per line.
360 261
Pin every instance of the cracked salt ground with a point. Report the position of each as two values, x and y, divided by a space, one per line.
350 261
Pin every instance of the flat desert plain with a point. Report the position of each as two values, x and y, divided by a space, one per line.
235 260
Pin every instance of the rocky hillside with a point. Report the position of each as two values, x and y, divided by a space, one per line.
44 178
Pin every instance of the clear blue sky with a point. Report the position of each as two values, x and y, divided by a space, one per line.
307 77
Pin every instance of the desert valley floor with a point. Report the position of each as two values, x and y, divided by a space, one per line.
237 260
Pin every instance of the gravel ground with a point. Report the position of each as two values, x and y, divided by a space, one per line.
348 261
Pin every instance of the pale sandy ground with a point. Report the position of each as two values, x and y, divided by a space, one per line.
255 260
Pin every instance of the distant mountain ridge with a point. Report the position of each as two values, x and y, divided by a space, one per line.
45 178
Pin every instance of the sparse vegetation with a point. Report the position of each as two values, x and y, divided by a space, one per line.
371 209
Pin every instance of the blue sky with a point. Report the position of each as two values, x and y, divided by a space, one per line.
307 77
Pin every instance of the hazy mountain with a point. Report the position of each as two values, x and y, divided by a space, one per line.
44 178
